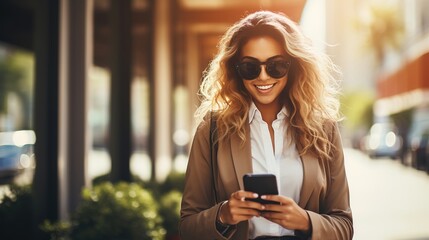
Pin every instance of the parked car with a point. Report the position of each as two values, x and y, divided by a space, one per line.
418 138
383 140
9 160
16 152
417 150
427 157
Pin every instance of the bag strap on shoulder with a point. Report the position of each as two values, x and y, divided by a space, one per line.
213 152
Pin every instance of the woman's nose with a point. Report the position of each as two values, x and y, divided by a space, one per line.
264 75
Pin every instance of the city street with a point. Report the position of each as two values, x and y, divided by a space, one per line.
389 201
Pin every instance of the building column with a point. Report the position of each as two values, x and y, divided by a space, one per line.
45 184
193 74
162 85
75 63
120 144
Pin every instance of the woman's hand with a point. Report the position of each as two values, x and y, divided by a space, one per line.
288 214
237 209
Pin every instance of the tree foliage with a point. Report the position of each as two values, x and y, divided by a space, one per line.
382 28
17 76
357 109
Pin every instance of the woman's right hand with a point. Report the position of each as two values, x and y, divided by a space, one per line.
237 209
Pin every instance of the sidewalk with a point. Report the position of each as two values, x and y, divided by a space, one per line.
389 200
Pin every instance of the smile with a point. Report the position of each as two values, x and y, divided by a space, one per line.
264 87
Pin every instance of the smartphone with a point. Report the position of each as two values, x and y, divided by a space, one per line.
262 184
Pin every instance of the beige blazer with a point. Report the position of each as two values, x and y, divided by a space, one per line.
324 193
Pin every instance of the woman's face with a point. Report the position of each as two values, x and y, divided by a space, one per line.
264 89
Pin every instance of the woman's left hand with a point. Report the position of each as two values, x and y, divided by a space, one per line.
288 214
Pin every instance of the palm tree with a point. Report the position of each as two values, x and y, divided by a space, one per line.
16 75
383 28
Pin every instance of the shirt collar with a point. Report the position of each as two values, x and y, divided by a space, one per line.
254 112
283 113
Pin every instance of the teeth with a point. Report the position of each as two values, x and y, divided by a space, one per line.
265 87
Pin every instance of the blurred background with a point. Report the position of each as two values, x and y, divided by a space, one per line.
97 100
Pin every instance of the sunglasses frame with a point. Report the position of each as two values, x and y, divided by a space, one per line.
256 61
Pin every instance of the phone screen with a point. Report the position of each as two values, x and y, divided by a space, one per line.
262 184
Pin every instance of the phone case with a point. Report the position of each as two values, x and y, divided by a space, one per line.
262 184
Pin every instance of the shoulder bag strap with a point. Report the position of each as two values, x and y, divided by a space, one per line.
213 153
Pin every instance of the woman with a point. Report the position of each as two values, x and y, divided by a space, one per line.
273 101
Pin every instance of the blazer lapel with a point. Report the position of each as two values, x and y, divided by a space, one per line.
310 166
241 156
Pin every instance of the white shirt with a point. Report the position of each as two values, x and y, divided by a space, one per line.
285 163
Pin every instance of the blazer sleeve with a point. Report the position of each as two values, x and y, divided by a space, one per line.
334 221
199 211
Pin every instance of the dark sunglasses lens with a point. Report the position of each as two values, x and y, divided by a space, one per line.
277 68
249 70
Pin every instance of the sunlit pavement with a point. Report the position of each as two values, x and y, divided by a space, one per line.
389 200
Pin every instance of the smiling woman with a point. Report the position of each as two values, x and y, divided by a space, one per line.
266 86
269 106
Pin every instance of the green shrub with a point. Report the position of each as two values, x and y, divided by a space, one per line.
174 181
170 212
56 230
106 178
16 213
120 211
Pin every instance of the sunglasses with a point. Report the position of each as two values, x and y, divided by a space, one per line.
276 67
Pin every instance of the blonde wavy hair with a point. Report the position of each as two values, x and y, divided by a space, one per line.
310 96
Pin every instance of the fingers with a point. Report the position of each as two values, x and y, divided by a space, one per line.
238 199
274 215
277 198
286 205
238 209
287 214
242 195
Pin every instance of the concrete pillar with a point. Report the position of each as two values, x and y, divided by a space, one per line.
193 74
120 145
163 82
46 46
75 63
